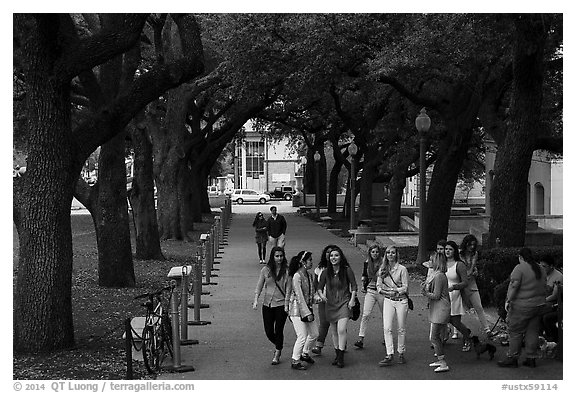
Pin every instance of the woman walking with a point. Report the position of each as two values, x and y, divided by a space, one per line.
393 284
341 288
469 255
525 302
273 279
369 279
435 288
324 325
299 306
260 225
457 281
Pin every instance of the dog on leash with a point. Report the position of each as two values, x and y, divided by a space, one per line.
480 347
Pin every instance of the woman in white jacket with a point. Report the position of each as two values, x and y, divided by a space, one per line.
299 304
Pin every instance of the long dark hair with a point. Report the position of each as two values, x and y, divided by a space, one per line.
372 269
297 261
272 265
259 216
526 254
453 244
323 264
465 242
342 277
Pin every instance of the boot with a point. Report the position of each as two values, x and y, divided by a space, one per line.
529 362
340 360
508 362
276 359
335 362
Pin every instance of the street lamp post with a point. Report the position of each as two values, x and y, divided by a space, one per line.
303 161
317 163
422 125
353 150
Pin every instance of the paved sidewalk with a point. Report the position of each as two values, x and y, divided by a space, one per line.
234 346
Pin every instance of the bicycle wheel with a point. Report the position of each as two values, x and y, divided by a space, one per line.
167 341
150 351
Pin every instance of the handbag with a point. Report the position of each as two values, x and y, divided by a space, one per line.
306 318
410 302
356 309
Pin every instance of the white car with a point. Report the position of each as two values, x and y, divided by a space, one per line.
245 195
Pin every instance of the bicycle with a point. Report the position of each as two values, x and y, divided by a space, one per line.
157 333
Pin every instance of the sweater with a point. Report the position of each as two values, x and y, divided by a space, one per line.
276 226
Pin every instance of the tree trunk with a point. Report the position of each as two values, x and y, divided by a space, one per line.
142 198
333 187
115 265
442 186
397 185
514 156
42 300
365 185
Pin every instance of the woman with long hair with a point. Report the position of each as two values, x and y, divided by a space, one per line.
299 302
369 279
324 325
525 302
469 255
273 279
392 282
341 288
435 288
260 226
457 281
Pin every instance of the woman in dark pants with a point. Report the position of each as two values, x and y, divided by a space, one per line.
525 301
324 325
273 279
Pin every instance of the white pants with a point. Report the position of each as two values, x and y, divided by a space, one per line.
398 308
372 297
306 333
279 241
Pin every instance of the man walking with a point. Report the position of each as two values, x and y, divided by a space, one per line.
276 228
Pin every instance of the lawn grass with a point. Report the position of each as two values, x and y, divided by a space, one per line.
99 313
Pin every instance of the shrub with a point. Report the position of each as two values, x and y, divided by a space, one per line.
496 264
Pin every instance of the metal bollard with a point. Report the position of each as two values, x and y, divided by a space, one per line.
128 347
177 365
198 292
184 309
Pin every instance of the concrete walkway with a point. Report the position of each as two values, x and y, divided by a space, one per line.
234 346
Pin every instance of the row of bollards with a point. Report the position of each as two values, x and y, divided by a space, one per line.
190 277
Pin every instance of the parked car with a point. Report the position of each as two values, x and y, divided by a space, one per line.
246 195
283 192
213 190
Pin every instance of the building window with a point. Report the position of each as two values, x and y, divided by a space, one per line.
538 199
255 159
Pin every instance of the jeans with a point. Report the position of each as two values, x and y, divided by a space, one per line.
474 297
274 319
372 297
306 333
523 324
456 321
324 325
437 333
398 308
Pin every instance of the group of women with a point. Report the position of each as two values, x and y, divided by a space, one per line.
322 300
328 295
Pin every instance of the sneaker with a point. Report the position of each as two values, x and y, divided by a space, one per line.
401 359
467 346
316 350
306 358
359 344
442 368
297 365
455 336
437 363
508 362
387 361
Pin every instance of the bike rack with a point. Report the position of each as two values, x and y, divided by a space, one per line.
197 305
177 365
